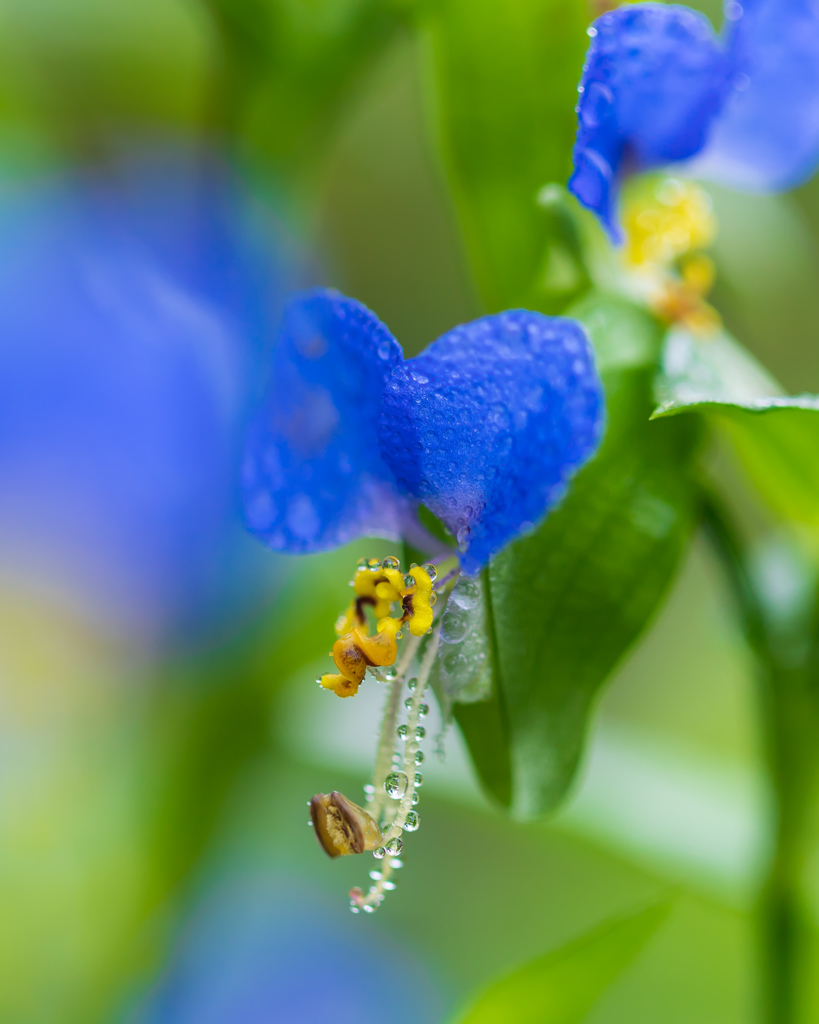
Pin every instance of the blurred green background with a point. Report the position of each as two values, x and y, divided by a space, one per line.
134 788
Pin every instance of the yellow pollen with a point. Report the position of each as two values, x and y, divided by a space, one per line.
378 586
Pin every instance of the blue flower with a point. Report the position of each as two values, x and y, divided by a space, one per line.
660 88
484 428
273 948
130 330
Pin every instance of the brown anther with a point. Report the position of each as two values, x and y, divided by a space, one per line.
341 826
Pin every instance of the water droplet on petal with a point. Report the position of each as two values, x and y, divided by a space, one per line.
430 570
391 563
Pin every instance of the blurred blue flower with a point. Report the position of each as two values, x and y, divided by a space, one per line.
270 951
660 88
133 312
484 428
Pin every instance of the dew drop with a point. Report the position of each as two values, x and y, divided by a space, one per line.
354 908
389 886
419 757
411 822
408 703
409 581
374 565
396 864
379 853
591 31
415 799
391 563
375 875
411 685
368 908
431 571
402 732
369 789
418 781
395 786
420 732
423 709
394 847
390 675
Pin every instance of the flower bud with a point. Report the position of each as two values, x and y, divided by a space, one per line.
341 826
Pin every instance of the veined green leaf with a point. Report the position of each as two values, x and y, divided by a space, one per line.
563 986
503 86
565 603
775 437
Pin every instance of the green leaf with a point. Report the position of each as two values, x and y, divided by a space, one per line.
563 986
566 602
502 84
775 437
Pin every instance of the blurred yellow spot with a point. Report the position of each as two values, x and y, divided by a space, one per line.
666 229
673 220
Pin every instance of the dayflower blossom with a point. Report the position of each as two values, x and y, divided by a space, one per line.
660 88
484 428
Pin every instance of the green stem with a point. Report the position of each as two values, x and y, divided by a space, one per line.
789 729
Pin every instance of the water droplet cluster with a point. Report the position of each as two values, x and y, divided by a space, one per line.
399 794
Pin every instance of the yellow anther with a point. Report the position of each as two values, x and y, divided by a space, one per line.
420 603
379 586
388 626
354 652
364 582
387 592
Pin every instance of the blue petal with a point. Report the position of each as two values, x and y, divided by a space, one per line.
767 137
654 79
487 425
122 390
313 475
